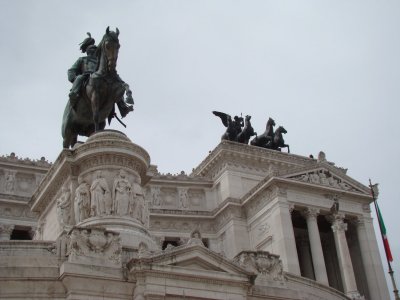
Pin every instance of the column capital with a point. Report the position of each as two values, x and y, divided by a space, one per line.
337 221
310 212
360 221
291 208
5 231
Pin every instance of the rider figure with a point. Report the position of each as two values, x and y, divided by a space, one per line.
82 68
238 123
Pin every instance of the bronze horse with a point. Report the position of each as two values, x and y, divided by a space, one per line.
247 131
265 138
103 90
277 143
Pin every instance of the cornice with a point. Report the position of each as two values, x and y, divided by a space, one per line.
14 160
247 156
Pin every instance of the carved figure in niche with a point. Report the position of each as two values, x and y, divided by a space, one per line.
305 177
195 238
101 201
155 195
323 179
314 178
143 250
344 185
137 204
9 184
64 207
333 182
183 198
82 201
122 193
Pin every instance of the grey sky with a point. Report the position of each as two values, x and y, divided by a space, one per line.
326 70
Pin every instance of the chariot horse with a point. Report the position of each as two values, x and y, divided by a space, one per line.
263 139
99 95
247 131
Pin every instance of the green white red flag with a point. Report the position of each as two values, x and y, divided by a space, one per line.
384 237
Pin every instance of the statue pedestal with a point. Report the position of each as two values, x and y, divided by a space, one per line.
130 230
97 184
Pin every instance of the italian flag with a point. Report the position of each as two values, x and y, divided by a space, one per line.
384 237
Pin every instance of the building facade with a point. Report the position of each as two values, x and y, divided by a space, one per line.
248 223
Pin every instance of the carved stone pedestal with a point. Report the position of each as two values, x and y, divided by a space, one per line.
97 184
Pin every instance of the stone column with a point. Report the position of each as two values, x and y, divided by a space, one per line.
5 231
342 249
284 242
315 244
374 273
305 257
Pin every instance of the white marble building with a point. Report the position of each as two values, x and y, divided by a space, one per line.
248 223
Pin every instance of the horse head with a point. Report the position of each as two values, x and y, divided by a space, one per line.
109 47
270 122
280 130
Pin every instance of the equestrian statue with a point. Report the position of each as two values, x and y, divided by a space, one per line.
96 88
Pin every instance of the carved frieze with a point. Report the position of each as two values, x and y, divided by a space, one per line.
17 211
179 197
181 225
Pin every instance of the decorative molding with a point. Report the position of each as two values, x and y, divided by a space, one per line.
249 157
263 263
12 158
95 246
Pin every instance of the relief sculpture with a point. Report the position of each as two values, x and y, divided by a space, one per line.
122 193
101 202
138 203
64 207
82 201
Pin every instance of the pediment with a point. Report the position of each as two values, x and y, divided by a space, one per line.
197 258
327 176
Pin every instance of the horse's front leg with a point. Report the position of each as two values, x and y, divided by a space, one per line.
95 110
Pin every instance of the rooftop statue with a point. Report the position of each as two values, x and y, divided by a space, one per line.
264 139
96 88
241 132
233 127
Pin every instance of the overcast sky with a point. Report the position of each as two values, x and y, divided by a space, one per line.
328 71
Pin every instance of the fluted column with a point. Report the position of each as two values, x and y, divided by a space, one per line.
315 244
343 253
5 231
374 273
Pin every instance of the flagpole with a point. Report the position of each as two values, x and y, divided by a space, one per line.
391 272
